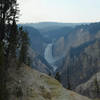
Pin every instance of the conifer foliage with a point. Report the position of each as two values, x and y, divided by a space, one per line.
24 44
57 76
13 42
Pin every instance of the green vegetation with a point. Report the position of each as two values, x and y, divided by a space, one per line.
96 86
13 43
3 89
24 44
57 77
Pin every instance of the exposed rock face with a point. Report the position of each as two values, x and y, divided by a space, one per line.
37 41
28 84
81 64
76 37
91 88
39 63
58 47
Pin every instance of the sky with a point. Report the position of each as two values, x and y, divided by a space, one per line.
67 11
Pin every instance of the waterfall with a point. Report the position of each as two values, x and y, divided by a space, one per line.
48 53
49 57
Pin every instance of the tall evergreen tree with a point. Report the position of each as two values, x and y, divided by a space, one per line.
97 89
13 40
8 14
57 77
68 79
8 17
10 38
24 45
3 75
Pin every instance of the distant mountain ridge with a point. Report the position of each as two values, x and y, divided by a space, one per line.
44 25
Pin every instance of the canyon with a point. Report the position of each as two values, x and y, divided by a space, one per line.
71 51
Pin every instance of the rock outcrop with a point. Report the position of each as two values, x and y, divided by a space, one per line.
39 63
28 84
58 47
90 88
37 41
81 64
76 37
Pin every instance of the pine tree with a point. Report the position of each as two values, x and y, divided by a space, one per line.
96 86
29 61
8 14
57 77
13 41
68 79
24 44
3 76
1 72
8 28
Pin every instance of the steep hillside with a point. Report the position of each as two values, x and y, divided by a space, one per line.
54 34
36 50
59 47
39 63
28 84
37 41
81 64
90 88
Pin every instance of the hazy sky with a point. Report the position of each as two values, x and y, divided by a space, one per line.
59 10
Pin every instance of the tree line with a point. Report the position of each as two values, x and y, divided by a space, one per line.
14 43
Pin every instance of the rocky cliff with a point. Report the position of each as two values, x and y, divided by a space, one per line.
37 41
39 63
59 47
90 88
76 37
81 64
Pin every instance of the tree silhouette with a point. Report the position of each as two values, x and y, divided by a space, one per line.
24 45
8 14
68 79
57 77
96 86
